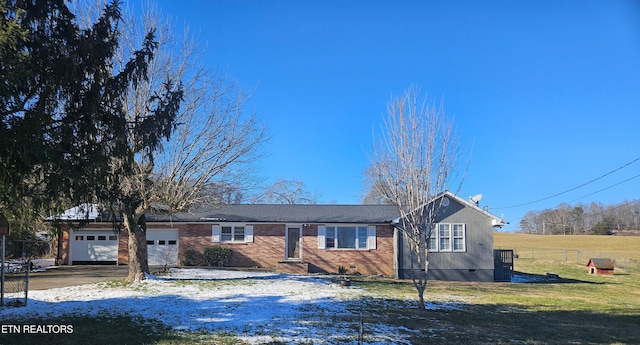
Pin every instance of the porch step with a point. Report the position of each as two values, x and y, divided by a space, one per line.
297 267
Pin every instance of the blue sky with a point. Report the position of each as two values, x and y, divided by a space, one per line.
545 95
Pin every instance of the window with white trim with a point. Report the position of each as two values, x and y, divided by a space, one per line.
444 237
347 237
232 233
459 238
448 237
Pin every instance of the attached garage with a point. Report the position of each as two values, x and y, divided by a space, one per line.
162 246
92 246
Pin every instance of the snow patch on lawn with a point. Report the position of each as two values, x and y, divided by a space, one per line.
256 306
208 274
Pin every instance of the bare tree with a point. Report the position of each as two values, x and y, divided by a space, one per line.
528 223
584 219
413 162
212 153
372 195
286 192
213 143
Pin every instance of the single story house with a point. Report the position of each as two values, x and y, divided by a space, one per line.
362 239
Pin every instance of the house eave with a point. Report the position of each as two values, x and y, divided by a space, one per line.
495 220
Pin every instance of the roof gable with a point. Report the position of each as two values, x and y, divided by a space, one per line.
495 220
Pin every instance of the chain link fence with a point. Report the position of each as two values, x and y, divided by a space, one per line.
575 256
15 285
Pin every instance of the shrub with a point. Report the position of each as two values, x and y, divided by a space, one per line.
217 256
190 257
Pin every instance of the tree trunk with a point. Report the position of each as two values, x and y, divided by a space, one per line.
421 305
138 263
419 267
422 285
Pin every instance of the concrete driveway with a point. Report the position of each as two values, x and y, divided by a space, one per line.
62 276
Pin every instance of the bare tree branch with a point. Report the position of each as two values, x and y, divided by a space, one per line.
286 192
414 160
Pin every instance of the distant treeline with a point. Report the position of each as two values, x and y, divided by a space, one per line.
594 218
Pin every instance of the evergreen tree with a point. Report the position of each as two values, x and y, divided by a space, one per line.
63 121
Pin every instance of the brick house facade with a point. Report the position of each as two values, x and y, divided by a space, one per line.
363 239
267 243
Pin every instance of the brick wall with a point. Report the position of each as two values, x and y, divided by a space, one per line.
269 245
268 249
265 251
64 254
123 247
367 262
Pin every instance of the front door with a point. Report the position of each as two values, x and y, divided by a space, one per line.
294 242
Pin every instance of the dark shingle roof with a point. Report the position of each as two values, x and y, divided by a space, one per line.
284 214
602 263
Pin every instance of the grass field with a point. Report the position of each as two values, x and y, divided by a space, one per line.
577 308
621 246
625 250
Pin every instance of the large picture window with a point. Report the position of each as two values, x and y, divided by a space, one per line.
346 237
448 237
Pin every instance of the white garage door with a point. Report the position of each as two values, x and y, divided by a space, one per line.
94 246
162 246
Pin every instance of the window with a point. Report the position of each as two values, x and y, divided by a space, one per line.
238 233
448 237
91 238
173 242
162 242
444 234
102 238
347 237
79 238
232 233
330 237
150 242
113 238
362 237
458 238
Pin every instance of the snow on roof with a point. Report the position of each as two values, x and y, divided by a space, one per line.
81 212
